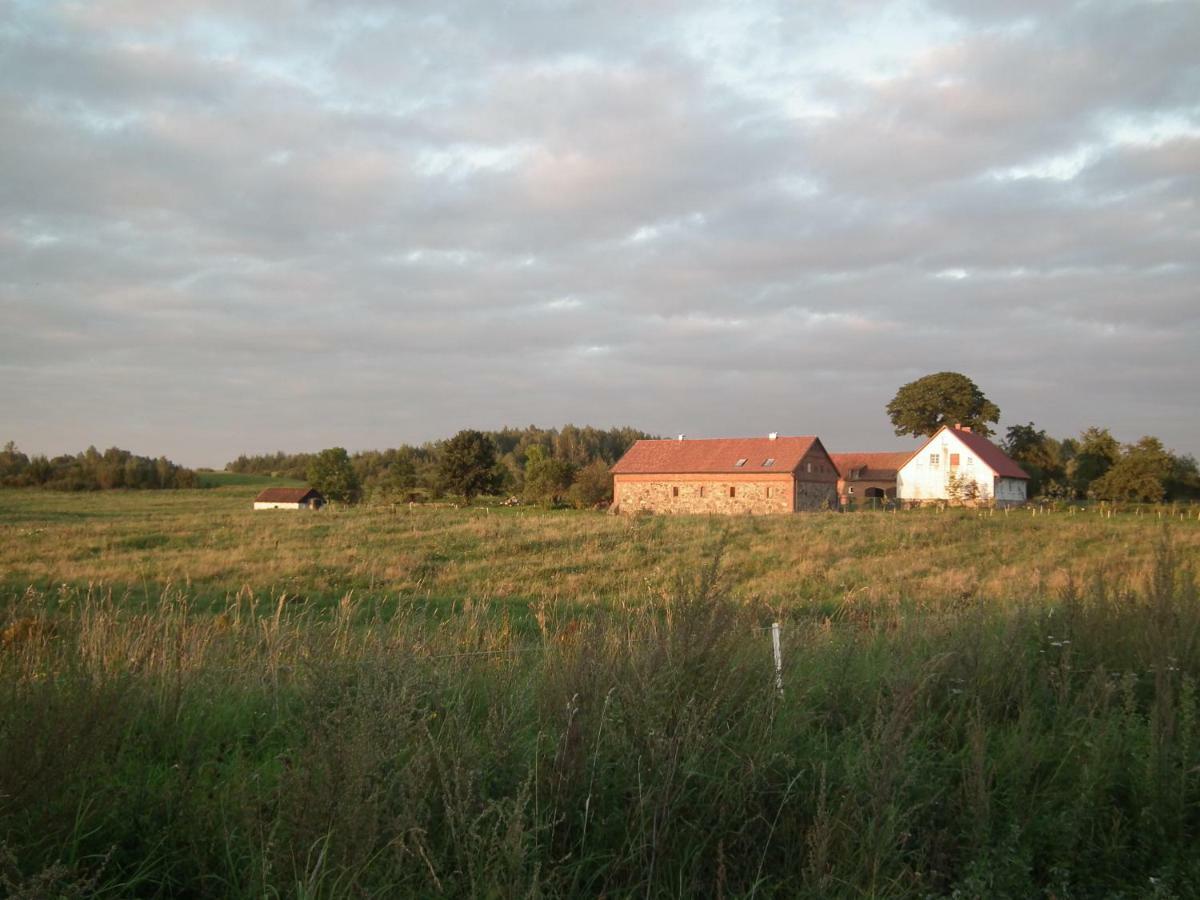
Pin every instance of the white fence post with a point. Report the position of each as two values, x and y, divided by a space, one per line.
778 649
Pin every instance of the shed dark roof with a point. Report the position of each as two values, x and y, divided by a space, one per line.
288 495
718 455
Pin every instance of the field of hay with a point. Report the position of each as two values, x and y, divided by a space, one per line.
200 700
212 543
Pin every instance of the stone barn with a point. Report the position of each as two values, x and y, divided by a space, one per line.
867 477
726 476
289 498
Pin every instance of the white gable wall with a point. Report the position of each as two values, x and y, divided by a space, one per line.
925 476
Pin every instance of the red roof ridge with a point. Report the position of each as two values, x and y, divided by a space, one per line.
659 456
987 452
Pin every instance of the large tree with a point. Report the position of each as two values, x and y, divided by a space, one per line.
1140 474
467 466
1183 483
1096 452
593 485
547 479
331 473
1039 455
923 406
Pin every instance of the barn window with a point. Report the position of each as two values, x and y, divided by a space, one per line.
769 461
741 462
934 459
851 489
732 491
768 492
701 490
674 492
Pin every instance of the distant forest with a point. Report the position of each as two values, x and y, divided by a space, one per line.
411 470
1097 466
570 464
91 470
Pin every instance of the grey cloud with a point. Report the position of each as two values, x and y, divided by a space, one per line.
231 227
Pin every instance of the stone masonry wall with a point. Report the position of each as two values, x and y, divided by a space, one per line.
677 495
811 487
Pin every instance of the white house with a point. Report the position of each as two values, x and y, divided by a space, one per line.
957 464
289 498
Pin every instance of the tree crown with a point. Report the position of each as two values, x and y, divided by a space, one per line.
923 406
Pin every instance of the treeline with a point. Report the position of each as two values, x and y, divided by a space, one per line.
91 470
539 464
1096 466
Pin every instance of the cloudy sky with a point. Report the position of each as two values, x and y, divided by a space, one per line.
238 226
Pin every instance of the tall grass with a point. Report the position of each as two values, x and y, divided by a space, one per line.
1041 748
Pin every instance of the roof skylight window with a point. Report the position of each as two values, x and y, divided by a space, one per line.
741 462
769 461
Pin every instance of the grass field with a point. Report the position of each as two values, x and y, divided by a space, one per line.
201 700
215 545
239 479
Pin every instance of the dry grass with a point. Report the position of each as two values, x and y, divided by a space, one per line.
212 543
468 703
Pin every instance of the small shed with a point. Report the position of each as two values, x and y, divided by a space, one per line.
289 498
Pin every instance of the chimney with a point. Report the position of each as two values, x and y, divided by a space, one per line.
772 435
682 436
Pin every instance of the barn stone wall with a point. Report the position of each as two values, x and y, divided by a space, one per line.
679 495
710 494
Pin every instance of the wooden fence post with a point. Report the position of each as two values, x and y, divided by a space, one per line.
778 651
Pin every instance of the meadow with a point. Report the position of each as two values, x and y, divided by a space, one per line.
200 700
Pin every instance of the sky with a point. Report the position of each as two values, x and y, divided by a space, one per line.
234 227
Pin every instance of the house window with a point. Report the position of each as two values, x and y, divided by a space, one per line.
970 460
851 489
769 461
953 459
808 467
674 492
732 491
741 462
935 459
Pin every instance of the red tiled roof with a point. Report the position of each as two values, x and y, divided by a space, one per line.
286 495
870 466
719 455
991 455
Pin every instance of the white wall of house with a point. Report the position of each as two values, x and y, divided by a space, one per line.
926 476
258 505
